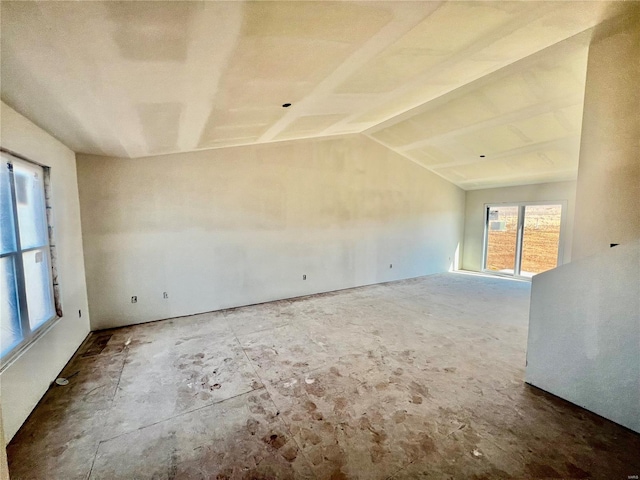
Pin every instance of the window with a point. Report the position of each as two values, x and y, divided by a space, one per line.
26 279
522 239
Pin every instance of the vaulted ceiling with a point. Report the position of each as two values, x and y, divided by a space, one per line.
482 93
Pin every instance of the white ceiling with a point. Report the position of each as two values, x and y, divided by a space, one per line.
519 125
440 82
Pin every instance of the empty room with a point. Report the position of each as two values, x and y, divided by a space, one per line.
320 240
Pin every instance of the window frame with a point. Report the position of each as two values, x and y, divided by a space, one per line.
29 335
520 235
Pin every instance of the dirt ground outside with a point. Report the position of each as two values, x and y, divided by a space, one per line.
540 242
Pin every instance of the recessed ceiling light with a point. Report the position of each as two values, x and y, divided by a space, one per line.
286 105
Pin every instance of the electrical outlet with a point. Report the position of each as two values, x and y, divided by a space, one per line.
165 295
304 277
134 299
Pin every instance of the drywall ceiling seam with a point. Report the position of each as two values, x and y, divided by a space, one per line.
550 106
517 180
198 109
222 147
81 134
115 139
563 143
496 35
386 36
573 43
412 160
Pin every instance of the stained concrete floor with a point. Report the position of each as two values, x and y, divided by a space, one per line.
414 379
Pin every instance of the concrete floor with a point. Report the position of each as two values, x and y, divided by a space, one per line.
414 379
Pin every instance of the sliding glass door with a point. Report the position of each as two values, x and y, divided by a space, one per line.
540 238
502 239
521 239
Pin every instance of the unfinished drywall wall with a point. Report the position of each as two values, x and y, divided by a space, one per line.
584 330
236 226
608 190
585 317
544 192
26 379
4 467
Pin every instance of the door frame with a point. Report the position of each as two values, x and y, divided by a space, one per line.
520 233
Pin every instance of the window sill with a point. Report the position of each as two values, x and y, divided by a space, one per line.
25 345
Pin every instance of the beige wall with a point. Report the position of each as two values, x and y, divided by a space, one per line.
229 227
584 331
584 316
544 192
608 190
26 379
4 467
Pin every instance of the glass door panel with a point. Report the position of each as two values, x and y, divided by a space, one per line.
541 238
502 234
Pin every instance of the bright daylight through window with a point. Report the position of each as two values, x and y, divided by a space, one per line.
522 240
26 285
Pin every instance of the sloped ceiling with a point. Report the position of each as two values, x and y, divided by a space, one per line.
440 82
519 125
